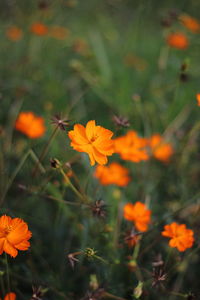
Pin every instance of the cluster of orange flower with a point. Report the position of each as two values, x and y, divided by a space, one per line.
181 237
179 40
15 33
96 141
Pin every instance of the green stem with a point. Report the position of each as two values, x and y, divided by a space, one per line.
18 168
45 150
7 273
79 195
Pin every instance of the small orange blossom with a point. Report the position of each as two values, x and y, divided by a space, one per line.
112 174
14 33
9 296
131 147
181 237
94 140
138 214
190 23
30 125
14 235
177 40
39 29
161 150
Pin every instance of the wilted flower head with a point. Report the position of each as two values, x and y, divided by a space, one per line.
61 123
14 235
14 33
181 237
94 140
120 121
112 174
177 40
160 149
132 238
131 147
138 214
31 125
99 209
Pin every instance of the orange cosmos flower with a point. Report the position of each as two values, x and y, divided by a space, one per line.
30 125
112 174
39 29
94 140
160 149
198 99
190 23
131 147
181 237
58 32
14 33
139 214
9 296
14 235
177 40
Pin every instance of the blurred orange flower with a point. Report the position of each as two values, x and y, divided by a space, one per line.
94 140
14 235
58 32
30 125
198 99
39 29
181 237
10 296
14 33
160 149
190 23
139 214
177 40
131 147
112 174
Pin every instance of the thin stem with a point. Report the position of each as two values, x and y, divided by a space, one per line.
45 150
7 273
82 197
112 296
18 168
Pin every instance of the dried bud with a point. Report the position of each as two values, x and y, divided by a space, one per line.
55 163
62 124
166 22
120 121
38 292
89 252
43 5
184 77
99 209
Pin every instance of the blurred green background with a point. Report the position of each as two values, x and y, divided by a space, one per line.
113 61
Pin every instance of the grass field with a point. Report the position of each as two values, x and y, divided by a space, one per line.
98 229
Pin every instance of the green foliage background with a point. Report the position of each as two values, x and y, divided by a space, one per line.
47 76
